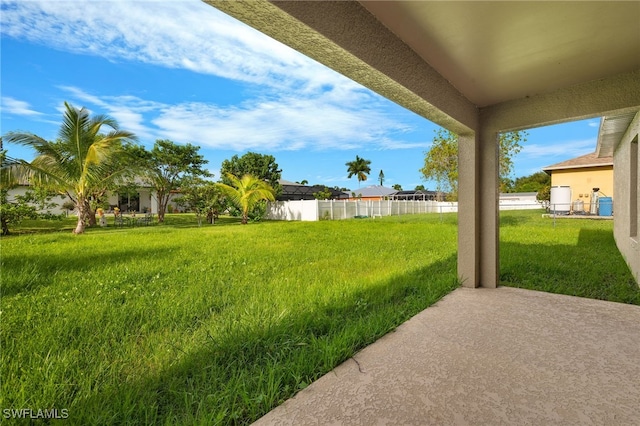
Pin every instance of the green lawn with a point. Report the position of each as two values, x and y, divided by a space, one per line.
577 257
179 324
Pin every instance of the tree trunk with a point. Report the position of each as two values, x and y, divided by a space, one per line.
162 205
5 227
91 215
82 213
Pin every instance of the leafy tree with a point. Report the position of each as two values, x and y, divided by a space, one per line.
381 177
14 211
510 146
441 161
10 211
261 166
359 168
202 197
419 188
324 194
81 161
246 192
167 166
532 183
544 196
397 187
304 182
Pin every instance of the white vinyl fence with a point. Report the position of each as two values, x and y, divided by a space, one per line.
313 210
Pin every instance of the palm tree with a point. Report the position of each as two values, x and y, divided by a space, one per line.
81 161
246 192
360 168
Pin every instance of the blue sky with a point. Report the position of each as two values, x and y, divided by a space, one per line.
184 71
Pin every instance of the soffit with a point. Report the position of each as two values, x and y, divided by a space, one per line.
494 52
612 128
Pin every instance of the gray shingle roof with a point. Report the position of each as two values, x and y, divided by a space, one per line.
588 160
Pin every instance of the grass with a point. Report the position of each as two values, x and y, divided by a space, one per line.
29 226
176 324
577 257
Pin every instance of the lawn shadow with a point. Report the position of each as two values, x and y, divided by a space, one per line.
592 268
238 376
51 263
513 220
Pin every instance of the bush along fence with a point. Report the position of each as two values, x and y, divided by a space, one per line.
314 210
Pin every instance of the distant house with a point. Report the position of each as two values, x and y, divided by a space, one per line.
143 199
583 174
373 193
293 191
415 195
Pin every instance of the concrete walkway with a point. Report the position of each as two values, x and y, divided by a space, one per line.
487 357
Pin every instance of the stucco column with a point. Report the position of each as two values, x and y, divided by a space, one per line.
478 242
468 210
489 208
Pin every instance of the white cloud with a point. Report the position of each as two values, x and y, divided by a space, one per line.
275 124
303 105
128 111
17 107
562 149
174 34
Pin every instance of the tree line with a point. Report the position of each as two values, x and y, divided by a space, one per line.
92 158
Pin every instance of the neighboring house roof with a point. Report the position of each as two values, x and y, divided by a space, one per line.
289 183
374 191
296 191
584 161
414 194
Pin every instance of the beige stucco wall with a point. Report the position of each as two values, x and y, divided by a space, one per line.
582 182
624 198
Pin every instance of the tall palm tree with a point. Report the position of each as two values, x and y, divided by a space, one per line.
81 161
359 168
245 192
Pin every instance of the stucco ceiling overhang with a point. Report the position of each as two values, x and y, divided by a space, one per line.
527 63
494 52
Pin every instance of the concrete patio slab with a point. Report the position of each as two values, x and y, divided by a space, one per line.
487 357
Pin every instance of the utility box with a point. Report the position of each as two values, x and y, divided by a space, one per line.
605 207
